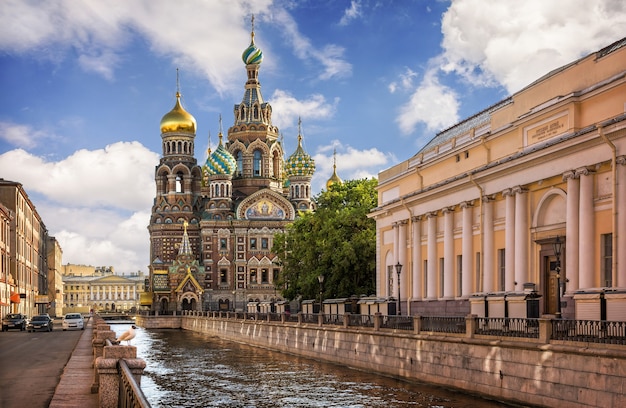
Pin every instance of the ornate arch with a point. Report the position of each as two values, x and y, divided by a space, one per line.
551 209
265 205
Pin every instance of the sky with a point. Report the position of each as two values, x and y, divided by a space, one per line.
86 83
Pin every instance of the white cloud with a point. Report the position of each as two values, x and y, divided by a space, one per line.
404 82
22 136
120 176
352 163
517 42
432 103
286 109
96 203
351 13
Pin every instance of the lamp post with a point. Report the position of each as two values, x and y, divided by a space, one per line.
320 279
398 270
558 246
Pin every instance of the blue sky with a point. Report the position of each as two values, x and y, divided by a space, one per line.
85 84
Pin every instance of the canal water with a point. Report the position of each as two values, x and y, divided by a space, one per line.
188 369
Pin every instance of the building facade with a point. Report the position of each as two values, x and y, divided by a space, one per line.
212 225
24 253
55 277
98 289
525 200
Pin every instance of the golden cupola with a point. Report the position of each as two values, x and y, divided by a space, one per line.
178 119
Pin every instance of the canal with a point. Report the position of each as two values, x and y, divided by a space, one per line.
188 369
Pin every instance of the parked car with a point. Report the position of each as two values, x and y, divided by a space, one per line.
40 322
73 321
14 321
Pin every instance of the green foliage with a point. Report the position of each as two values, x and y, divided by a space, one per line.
337 241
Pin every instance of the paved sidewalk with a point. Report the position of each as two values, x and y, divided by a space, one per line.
74 389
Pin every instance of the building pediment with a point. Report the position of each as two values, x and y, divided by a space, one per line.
265 205
112 280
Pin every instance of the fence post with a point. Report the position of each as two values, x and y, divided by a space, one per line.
377 320
320 319
417 324
97 343
109 387
545 328
470 325
346 320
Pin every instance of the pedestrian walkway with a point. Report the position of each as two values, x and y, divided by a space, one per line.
74 389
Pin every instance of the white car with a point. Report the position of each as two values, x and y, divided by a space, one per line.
73 321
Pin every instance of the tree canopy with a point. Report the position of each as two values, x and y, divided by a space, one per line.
337 241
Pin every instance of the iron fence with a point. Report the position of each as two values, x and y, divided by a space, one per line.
508 327
590 331
397 322
131 395
442 324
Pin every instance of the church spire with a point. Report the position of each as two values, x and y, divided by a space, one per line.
185 246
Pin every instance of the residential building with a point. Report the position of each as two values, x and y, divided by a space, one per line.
25 253
519 210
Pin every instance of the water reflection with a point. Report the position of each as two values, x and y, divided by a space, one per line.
187 369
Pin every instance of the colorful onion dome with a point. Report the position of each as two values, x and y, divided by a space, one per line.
178 119
220 161
252 54
300 163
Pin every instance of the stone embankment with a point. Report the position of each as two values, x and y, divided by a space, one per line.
538 372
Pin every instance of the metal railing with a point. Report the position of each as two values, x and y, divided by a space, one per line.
131 395
508 327
443 324
590 331
397 322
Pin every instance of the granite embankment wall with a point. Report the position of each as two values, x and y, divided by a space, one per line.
525 371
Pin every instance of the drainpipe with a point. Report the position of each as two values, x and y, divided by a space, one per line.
483 144
417 171
482 216
614 212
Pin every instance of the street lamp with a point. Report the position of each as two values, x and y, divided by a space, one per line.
320 279
558 246
398 270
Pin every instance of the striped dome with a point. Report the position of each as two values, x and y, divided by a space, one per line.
252 54
220 161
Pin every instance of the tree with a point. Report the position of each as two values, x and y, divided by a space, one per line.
338 241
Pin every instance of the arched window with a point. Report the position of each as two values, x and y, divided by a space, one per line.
179 182
256 164
239 163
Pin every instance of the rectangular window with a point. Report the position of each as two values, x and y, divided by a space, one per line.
425 275
459 275
607 259
264 243
390 280
253 275
501 268
276 274
223 276
252 243
441 277
264 275
223 243
478 273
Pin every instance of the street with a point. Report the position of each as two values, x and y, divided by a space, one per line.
31 365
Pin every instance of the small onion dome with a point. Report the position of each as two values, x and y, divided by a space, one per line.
178 119
252 54
300 163
220 161
334 179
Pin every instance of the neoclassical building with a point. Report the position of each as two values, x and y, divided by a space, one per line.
212 225
527 198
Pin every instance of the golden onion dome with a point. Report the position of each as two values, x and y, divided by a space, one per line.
334 179
178 119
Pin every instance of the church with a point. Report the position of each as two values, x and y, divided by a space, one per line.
212 225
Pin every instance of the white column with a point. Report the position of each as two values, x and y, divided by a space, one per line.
571 231
417 258
90 292
468 250
432 256
448 253
522 238
396 256
620 242
402 259
586 245
509 245
489 255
